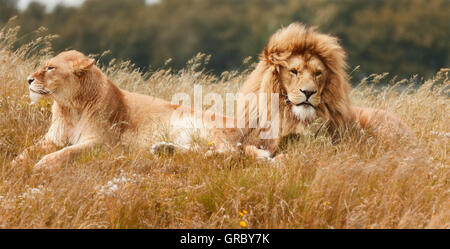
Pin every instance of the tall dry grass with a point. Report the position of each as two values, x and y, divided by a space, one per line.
361 182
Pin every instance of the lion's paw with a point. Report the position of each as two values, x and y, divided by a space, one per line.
263 155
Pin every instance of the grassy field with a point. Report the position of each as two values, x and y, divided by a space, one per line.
361 182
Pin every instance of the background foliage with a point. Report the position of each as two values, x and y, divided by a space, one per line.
403 37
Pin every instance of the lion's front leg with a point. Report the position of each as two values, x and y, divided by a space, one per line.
253 151
56 159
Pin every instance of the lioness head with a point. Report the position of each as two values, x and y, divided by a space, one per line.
310 69
60 76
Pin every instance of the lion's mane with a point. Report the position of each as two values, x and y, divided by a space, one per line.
335 107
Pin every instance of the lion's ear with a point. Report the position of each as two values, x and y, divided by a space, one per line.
276 58
81 66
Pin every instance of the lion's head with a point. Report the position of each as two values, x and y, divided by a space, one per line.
60 77
308 70
303 78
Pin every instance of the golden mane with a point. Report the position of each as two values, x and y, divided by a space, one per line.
335 107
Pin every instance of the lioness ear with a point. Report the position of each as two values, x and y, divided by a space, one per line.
82 65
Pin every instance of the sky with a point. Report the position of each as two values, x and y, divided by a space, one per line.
52 3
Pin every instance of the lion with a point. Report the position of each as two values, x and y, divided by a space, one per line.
307 70
89 110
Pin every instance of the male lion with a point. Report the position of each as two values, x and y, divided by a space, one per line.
308 71
88 110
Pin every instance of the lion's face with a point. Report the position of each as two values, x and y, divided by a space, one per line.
59 77
303 77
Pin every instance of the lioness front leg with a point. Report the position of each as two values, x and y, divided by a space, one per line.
55 159
44 145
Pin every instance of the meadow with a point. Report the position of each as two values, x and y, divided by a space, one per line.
360 182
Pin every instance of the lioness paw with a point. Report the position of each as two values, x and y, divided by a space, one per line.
47 163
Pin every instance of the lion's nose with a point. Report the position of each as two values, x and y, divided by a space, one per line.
307 93
30 80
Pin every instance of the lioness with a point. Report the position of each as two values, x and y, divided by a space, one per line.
88 110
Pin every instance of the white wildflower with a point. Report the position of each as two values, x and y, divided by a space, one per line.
112 186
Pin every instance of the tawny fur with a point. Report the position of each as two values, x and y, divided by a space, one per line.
89 110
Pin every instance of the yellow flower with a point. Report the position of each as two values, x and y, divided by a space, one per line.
210 143
244 211
243 224
326 203
240 213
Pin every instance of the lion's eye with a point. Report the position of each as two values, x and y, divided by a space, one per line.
293 71
50 69
318 73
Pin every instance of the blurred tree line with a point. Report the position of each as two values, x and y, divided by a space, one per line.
403 37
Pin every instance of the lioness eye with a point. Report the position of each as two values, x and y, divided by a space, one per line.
50 68
294 71
318 73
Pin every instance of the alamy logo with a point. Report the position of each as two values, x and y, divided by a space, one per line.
257 115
